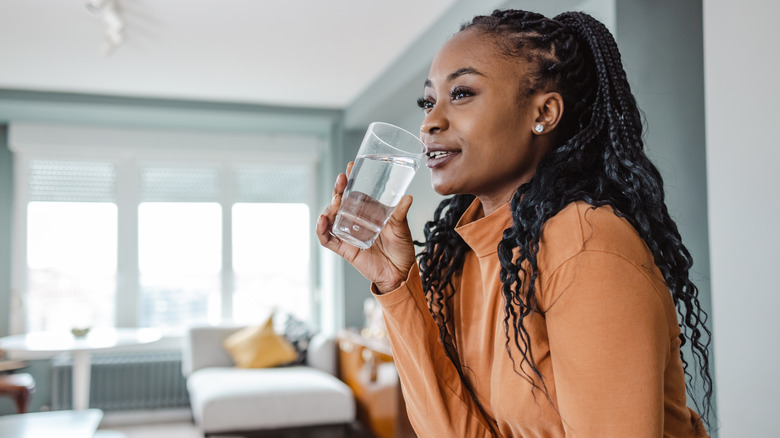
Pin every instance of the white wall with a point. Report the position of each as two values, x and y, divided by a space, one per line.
743 151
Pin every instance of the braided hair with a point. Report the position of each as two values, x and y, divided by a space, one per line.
598 158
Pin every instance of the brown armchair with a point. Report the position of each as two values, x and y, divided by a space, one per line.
18 386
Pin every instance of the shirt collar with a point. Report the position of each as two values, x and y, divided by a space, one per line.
483 233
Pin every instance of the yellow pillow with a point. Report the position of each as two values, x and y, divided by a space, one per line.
259 347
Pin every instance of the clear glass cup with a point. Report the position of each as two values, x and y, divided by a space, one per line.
387 160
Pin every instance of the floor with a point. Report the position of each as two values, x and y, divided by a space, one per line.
185 429
160 430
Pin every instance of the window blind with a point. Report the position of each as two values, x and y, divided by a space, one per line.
271 185
71 181
261 184
174 184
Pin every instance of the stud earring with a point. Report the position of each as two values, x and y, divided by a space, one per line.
539 128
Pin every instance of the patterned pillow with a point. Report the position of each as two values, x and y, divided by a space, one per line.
298 333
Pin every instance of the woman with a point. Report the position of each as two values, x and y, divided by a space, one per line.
543 303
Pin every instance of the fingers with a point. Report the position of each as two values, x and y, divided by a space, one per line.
397 225
335 201
341 184
326 219
324 225
330 241
323 231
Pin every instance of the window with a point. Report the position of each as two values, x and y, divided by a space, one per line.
71 244
137 239
71 259
179 247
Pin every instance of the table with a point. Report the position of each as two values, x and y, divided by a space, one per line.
51 343
366 366
60 424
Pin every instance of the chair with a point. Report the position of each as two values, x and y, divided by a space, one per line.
18 386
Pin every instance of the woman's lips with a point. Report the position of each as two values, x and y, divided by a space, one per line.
438 158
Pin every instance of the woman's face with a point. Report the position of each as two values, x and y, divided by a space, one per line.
478 129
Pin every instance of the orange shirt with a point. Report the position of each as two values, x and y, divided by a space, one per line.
607 343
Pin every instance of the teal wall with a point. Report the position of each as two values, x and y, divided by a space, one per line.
356 286
662 47
6 214
44 107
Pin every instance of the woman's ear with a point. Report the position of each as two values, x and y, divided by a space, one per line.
549 109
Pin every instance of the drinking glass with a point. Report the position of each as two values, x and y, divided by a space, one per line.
387 160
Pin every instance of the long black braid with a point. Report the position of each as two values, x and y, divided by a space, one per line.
599 159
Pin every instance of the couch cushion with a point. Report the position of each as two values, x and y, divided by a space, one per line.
233 399
259 347
202 348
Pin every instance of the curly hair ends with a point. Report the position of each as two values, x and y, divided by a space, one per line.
599 159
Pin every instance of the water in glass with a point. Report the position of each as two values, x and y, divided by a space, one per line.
376 185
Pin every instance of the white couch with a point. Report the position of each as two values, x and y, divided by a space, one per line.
226 399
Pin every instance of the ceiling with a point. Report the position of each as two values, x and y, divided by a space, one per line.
304 53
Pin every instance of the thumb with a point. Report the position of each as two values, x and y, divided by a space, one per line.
399 215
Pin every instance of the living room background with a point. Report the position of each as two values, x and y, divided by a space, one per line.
682 58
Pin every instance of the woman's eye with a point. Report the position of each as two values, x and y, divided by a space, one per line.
460 93
425 103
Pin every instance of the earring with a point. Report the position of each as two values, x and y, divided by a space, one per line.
539 128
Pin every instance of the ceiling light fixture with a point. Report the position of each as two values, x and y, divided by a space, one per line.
110 14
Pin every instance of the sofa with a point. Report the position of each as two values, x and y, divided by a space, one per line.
226 399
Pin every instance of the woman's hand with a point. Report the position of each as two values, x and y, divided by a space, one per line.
388 261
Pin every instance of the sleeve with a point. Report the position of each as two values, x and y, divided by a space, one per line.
438 404
609 346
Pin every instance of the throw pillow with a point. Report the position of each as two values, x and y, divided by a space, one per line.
259 347
298 333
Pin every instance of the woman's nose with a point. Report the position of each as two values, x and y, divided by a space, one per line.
435 121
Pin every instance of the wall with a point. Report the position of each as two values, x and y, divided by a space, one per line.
661 45
742 94
356 287
38 368
6 215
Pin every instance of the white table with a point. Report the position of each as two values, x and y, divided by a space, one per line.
60 424
80 348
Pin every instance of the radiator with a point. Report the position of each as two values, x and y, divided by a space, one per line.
125 382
